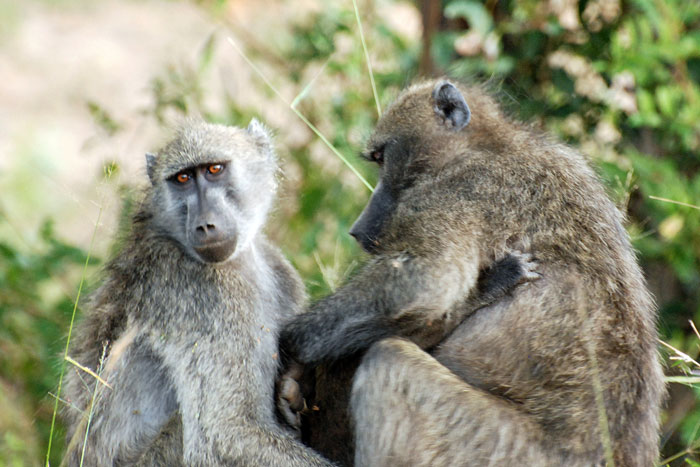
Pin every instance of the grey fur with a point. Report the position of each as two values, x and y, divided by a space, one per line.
191 342
516 382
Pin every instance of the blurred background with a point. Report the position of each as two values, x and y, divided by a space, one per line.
87 87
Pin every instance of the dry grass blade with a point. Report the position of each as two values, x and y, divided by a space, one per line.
666 200
116 352
65 402
88 371
92 405
680 355
689 380
695 330
603 422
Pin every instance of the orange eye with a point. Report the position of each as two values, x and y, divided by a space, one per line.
215 169
182 177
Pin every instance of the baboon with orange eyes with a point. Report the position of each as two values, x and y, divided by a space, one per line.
188 315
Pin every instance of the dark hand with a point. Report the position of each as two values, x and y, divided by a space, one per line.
290 400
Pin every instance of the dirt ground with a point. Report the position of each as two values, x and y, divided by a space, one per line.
56 60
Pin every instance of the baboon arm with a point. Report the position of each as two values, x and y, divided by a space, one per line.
402 295
125 418
408 409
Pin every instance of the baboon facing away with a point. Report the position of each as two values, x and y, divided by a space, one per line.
188 317
563 371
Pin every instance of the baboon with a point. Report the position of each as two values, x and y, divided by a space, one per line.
188 317
327 428
563 371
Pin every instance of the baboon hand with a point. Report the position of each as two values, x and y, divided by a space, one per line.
290 400
528 266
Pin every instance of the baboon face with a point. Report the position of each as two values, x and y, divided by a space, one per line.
209 224
213 192
402 149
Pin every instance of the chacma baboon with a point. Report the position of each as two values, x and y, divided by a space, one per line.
189 315
563 371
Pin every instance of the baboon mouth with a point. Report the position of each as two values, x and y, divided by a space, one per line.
216 252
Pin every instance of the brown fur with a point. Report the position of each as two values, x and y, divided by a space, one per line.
517 382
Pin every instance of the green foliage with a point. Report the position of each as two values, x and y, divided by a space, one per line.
36 287
331 198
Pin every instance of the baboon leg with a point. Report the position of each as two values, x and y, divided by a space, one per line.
408 409
127 417
166 449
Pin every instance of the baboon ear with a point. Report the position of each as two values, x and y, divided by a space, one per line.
450 106
260 133
151 166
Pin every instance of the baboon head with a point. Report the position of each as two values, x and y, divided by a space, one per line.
212 187
406 144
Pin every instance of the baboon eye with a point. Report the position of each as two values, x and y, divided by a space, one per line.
215 169
183 177
378 156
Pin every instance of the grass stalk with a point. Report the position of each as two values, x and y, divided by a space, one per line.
66 358
88 371
332 148
369 63
292 106
603 424
666 200
70 332
92 405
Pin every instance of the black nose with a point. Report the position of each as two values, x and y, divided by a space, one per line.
206 228
206 232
